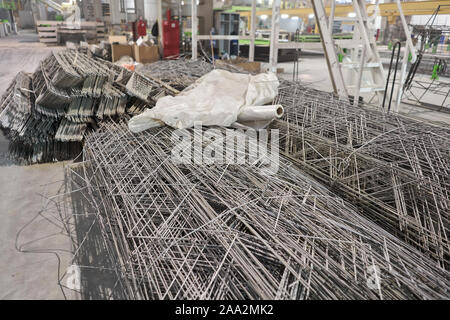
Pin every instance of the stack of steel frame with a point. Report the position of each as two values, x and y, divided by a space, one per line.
358 209
395 169
46 114
226 231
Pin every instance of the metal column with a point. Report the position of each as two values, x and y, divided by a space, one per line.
194 29
160 28
251 55
273 58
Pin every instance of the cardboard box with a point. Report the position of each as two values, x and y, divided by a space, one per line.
118 39
145 54
120 50
250 66
142 54
253 67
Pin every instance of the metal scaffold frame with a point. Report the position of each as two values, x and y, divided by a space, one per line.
196 37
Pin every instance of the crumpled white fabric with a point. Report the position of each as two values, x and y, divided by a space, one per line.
214 99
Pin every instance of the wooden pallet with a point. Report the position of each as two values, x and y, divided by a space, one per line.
49 33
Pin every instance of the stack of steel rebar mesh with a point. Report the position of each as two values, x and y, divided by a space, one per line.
359 197
46 114
427 63
358 208
229 231
396 170
181 73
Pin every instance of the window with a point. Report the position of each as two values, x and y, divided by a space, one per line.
105 8
128 5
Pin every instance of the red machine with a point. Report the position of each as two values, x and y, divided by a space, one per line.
171 36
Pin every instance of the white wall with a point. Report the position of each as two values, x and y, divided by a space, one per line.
42 12
151 11
441 19
290 25
117 15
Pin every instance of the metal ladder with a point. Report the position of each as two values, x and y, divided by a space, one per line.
363 48
409 50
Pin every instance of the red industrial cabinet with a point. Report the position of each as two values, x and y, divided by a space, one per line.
171 36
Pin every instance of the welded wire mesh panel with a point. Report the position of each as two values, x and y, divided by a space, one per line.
139 87
18 96
395 169
224 231
62 100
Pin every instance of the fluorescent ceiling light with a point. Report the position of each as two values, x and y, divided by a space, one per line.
311 16
294 18
352 14
263 17
284 16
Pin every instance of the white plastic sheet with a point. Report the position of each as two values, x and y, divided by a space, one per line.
217 98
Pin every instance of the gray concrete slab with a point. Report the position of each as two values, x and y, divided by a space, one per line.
3 150
20 53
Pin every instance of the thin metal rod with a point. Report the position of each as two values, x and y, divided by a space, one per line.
398 46
273 57
253 18
194 29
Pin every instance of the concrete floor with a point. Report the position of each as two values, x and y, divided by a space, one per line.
31 222
32 275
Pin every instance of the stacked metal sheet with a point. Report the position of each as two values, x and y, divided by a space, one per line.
18 97
30 133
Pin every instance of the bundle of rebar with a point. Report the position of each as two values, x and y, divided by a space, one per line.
227 231
427 63
395 169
